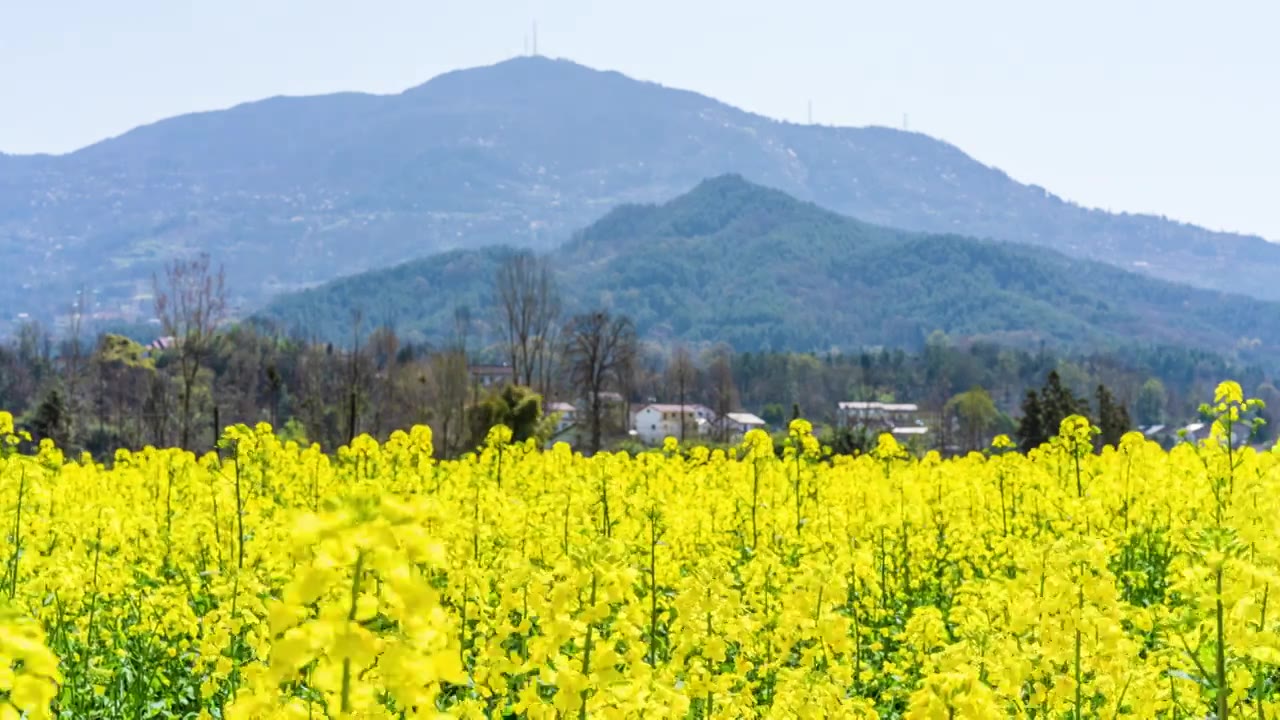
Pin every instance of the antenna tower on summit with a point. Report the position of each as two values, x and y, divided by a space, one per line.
535 38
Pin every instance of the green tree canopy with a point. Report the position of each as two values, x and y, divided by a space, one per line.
516 406
1151 402
976 413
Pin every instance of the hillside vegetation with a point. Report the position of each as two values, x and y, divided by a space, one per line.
732 261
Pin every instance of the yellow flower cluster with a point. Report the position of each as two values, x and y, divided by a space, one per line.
270 580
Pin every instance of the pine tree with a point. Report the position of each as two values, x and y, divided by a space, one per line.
1113 419
1031 430
1057 403
51 419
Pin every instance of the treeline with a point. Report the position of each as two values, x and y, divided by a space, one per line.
97 394
1176 380
203 374
113 392
969 391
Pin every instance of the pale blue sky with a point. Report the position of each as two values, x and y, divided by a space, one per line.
1169 107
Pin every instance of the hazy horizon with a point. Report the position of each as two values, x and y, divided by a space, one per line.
1117 108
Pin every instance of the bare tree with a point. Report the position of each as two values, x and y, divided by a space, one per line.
384 347
320 375
354 375
73 360
549 381
723 389
449 376
680 379
155 411
461 330
599 350
190 302
529 305
451 381
121 376
34 355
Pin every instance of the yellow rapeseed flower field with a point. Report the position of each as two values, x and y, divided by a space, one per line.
276 581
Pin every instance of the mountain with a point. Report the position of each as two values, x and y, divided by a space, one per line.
291 191
733 261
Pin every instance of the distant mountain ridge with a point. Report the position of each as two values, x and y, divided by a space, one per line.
736 262
291 191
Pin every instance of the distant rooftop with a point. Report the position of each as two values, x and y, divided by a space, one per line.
913 430
886 407
666 407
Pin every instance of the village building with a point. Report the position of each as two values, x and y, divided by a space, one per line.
656 422
566 416
486 377
902 420
878 414
738 424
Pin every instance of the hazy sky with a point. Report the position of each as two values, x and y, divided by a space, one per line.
1171 107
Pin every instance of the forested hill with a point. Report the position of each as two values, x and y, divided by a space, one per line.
287 192
736 262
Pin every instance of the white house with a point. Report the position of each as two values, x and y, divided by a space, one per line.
740 423
168 342
568 415
1199 432
905 433
1195 432
879 414
656 422
490 376
704 414
1165 435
